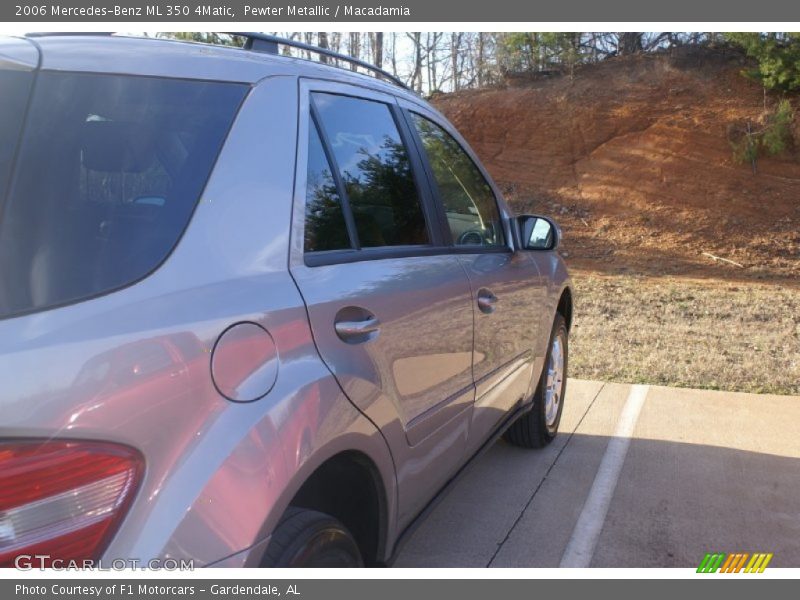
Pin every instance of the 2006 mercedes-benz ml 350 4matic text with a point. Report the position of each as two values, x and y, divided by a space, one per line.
255 310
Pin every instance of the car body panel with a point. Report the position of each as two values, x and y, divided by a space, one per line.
17 53
133 365
230 266
414 380
506 355
505 340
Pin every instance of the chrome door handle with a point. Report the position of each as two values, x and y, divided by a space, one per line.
486 301
355 332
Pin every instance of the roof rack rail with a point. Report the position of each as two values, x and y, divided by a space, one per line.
263 42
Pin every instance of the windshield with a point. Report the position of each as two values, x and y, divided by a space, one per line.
99 186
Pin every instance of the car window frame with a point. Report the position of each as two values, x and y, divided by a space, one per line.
437 244
424 112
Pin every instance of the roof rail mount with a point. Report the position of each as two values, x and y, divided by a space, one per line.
263 42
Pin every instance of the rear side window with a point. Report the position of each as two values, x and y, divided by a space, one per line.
325 225
14 89
375 170
468 200
108 173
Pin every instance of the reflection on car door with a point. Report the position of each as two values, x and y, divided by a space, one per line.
391 318
506 286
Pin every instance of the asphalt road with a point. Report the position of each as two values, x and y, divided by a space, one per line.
639 476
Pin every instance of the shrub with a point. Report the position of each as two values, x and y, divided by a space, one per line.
773 137
778 130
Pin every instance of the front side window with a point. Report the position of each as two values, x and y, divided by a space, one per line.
468 200
375 171
108 172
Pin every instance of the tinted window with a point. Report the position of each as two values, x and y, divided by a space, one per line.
108 174
325 225
469 202
375 169
14 89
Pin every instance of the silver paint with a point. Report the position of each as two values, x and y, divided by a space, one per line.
244 362
414 401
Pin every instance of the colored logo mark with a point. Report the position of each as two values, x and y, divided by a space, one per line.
734 563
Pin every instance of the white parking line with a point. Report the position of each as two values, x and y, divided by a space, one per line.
580 549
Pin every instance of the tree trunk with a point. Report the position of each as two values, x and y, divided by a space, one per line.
308 38
355 48
430 59
479 61
322 37
393 46
416 77
378 53
630 42
455 52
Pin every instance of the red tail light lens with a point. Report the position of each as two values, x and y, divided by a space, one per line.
63 499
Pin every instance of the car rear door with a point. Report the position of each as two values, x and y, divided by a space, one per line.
507 289
389 305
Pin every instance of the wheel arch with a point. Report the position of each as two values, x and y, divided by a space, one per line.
349 486
564 306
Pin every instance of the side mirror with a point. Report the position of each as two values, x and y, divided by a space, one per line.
537 233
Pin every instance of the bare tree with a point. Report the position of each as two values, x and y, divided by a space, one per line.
416 74
456 58
431 60
294 36
393 52
309 39
377 50
336 44
354 47
629 42
479 59
452 61
322 38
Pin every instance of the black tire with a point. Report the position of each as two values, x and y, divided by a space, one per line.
307 538
531 430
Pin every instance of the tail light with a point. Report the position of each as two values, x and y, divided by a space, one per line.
63 499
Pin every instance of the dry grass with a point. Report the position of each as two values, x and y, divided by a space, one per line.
687 333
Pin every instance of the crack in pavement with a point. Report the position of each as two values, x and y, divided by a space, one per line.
546 475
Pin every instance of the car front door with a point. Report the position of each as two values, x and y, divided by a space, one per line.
389 306
507 289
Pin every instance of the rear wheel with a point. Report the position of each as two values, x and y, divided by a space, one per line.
539 426
308 538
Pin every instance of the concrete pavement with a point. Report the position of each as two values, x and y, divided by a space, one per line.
701 472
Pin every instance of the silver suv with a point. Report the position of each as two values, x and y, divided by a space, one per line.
254 310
